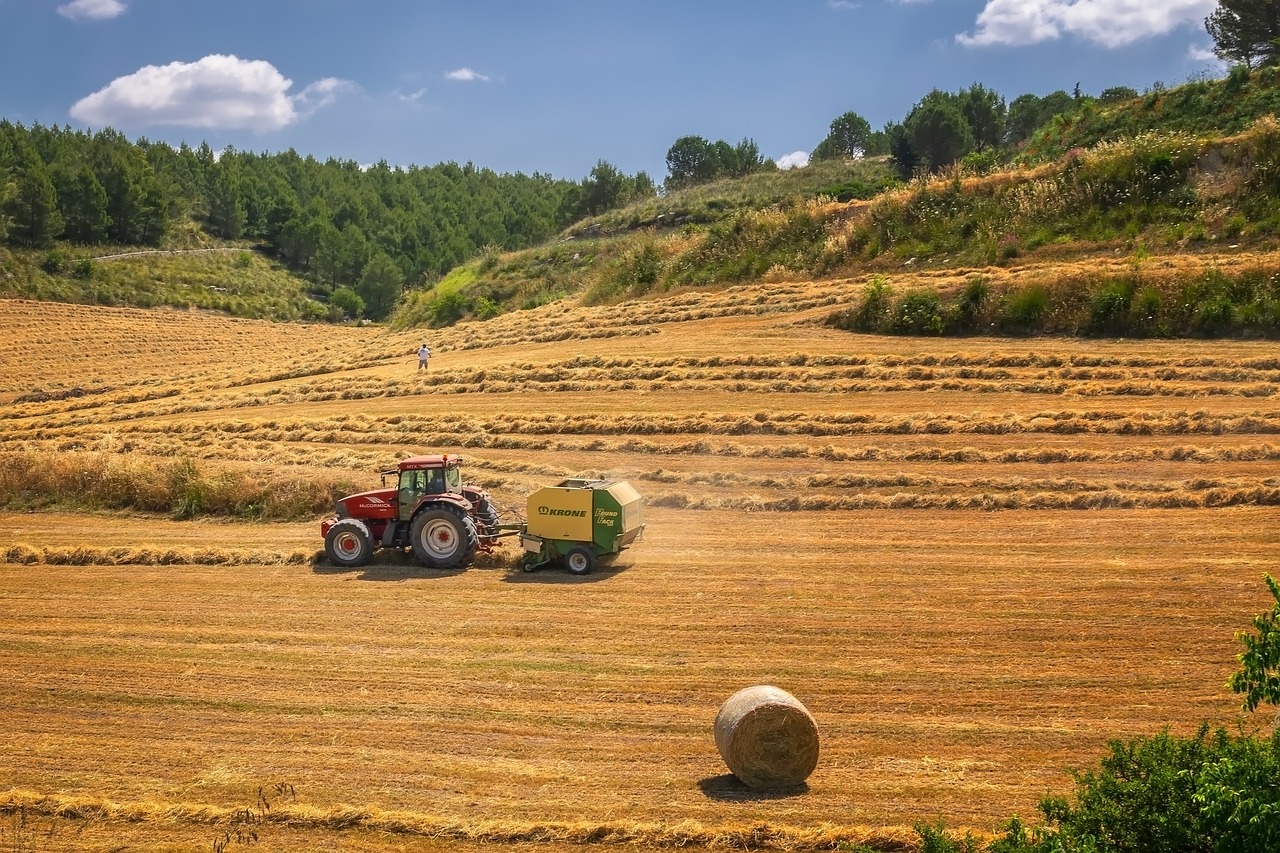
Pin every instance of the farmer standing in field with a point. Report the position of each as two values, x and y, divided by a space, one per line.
424 353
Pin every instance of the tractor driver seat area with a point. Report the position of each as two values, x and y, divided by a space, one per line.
415 484
412 487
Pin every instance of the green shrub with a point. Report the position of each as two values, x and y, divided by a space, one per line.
1259 675
971 303
1109 308
85 268
917 313
53 262
1026 309
486 308
1164 794
346 303
870 316
934 839
1117 94
1145 314
644 266
448 308
189 490
1210 793
1215 316
1237 79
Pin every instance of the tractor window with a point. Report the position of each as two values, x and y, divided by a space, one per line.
454 479
412 484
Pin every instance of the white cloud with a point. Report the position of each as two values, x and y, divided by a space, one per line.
96 10
1111 23
841 5
321 94
794 160
466 75
1200 53
216 91
412 96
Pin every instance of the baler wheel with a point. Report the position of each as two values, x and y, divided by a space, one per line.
580 560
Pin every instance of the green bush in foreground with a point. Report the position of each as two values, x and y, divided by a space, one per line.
1259 675
1210 793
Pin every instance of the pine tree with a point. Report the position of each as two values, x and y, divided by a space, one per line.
1246 31
34 207
82 202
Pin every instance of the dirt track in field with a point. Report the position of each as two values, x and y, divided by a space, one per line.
975 561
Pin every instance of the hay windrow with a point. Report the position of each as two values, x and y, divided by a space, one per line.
686 834
20 553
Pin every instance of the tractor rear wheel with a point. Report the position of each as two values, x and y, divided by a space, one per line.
348 544
580 560
443 537
486 519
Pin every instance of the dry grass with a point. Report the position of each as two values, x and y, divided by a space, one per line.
974 561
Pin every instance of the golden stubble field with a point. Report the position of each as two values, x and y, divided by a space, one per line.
975 561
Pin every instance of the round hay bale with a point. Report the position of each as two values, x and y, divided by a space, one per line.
767 738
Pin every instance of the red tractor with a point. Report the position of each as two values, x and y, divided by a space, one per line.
429 510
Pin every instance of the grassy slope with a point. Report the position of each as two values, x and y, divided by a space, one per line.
632 251
231 280
1182 170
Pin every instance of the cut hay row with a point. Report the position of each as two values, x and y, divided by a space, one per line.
853 379
374 455
850 482
1260 495
23 554
338 445
1188 454
686 834
29 417
462 429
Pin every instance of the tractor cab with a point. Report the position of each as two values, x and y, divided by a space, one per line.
419 476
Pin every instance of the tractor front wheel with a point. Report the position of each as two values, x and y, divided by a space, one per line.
347 543
443 537
580 560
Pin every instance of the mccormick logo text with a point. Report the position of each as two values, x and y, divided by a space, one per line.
568 513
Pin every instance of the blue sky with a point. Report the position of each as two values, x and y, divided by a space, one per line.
553 86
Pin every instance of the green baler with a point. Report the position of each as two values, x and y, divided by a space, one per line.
580 521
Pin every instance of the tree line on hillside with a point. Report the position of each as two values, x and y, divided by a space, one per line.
976 124
370 230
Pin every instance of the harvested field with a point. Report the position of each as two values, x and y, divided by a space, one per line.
974 561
